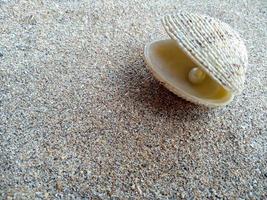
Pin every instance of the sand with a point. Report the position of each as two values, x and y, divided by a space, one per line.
82 118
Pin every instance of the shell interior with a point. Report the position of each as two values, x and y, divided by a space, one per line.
171 66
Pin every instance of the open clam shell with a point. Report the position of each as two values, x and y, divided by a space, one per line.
204 61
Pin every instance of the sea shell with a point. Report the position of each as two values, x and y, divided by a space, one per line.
213 44
206 44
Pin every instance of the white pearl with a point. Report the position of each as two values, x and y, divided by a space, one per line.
196 75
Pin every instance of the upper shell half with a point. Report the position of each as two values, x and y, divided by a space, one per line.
213 45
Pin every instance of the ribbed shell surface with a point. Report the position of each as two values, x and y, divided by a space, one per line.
213 45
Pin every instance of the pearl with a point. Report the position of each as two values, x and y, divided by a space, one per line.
196 75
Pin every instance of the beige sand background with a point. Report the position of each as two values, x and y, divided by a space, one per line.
81 117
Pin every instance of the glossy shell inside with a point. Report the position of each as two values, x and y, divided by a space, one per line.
171 66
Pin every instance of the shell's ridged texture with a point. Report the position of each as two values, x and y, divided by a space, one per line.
213 44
